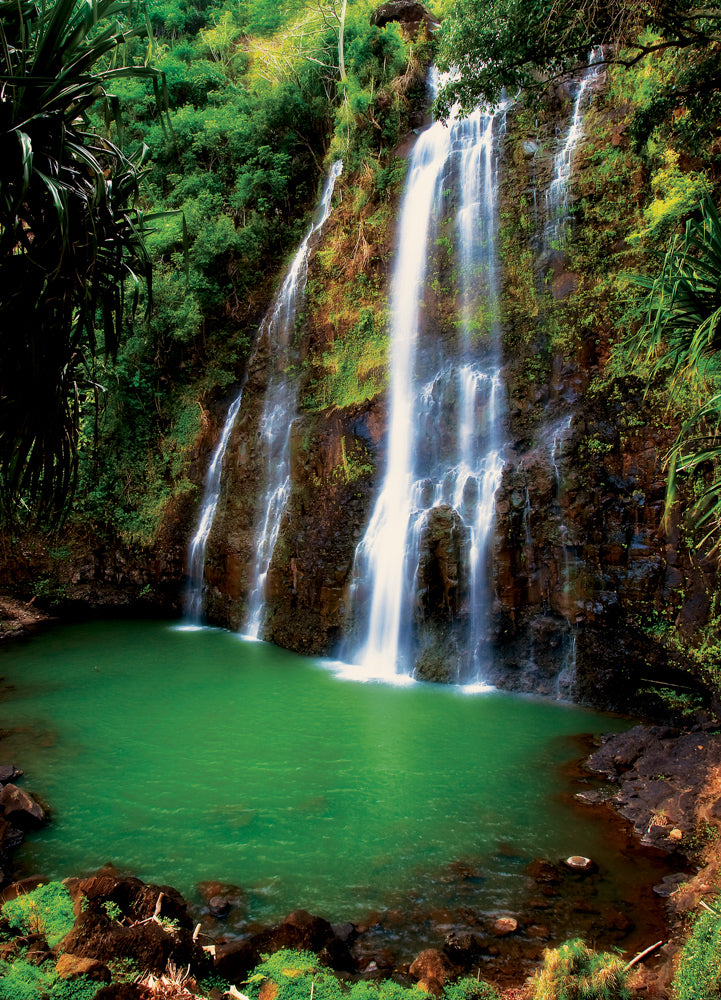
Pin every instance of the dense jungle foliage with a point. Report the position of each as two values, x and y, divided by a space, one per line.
234 156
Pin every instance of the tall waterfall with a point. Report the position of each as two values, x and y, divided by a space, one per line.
558 191
275 336
444 459
279 407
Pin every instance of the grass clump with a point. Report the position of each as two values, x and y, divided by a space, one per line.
698 974
470 989
573 971
47 910
297 975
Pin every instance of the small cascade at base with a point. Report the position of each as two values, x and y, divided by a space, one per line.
196 551
421 594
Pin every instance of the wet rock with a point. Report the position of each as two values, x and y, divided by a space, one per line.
346 932
544 872
8 773
432 969
20 808
462 949
577 863
660 774
221 897
441 558
219 907
539 932
504 926
301 930
669 884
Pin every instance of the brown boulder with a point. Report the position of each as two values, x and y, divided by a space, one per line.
20 808
432 969
73 967
152 926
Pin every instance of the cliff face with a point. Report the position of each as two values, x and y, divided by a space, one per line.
580 562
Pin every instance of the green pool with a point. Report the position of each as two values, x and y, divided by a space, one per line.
184 756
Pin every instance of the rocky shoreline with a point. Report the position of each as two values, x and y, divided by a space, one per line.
665 783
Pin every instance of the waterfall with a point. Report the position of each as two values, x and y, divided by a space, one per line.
196 551
569 563
279 407
274 334
557 195
444 461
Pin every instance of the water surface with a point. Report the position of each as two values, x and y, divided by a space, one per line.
184 756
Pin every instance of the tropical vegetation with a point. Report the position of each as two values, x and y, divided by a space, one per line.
70 230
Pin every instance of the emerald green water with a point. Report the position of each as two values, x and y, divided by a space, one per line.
185 756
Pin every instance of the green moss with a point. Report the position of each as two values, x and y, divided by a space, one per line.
354 369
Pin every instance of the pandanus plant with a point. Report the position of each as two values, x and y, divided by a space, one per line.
70 232
683 330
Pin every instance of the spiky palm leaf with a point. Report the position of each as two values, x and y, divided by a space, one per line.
683 328
69 234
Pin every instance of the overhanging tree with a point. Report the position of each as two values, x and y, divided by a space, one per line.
523 43
70 234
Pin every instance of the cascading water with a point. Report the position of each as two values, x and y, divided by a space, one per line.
274 335
443 454
279 407
569 560
557 195
196 552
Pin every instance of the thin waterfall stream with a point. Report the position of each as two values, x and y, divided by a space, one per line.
557 196
275 336
444 456
279 408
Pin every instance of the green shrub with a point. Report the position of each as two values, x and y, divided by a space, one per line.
469 989
574 971
698 975
295 973
46 910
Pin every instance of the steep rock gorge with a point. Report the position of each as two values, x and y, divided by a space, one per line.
580 557
580 563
